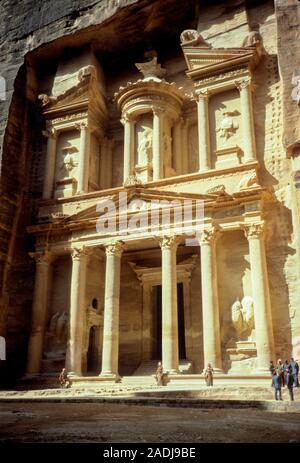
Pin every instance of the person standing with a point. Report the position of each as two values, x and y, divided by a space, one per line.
295 371
280 371
160 376
289 380
277 383
208 375
271 369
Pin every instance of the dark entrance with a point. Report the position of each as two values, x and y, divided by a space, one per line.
92 355
181 327
157 322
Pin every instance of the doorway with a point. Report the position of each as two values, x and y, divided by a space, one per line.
157 322
92 353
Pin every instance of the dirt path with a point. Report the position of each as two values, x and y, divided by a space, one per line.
109 423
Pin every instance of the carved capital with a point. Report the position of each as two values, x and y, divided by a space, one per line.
49 133
203 94
42 257
254 230
127 118
115 249
208 236
79 253
169 242
243 83
81 125
157 111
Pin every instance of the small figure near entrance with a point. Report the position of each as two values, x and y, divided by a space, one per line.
277 384
289 381
160 376
208 375
280 371
63 379
295 371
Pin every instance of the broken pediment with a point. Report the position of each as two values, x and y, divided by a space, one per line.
203 61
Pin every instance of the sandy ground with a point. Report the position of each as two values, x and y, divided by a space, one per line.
111 423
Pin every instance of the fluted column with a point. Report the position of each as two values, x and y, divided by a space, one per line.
83 161
110 351
129 144
170 354
203 131
178 152
210 303
48 185
261 297
157 143
39 312
77 310
244 86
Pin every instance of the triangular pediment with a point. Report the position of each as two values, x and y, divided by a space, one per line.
130 202
76 95
208 61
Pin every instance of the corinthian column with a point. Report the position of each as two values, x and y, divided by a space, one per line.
203 131
83 161
110 351
210 303
77 310
244 86
170 354
129 138
39 312
261 297
51 135
157 143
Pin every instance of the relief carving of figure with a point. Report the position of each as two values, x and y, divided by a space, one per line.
69 161
167 150
145 147
248 313
228 126
58 326
237 316
242 315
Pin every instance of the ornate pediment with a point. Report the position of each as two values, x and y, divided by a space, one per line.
204 61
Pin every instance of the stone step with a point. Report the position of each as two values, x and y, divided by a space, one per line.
148 367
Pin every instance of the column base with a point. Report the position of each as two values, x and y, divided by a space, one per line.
73 373
30 376
110 376
174 371
204 169
217 371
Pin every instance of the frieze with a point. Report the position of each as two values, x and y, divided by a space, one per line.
225 75
69 117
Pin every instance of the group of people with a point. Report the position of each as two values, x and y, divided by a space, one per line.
284 374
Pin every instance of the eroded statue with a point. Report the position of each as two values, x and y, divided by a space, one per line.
145 147
228 126
242 316
58 326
